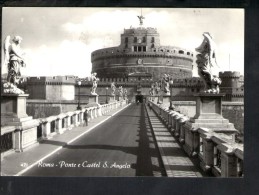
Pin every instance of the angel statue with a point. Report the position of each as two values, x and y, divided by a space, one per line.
113 87
95 81
157 88
165 81
125 93
207 64
13 58
120 91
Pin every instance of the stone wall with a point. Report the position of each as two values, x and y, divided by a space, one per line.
46 108
234 111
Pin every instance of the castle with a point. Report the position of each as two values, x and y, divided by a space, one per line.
140 52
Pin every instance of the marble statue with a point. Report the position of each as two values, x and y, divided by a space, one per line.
125 93
157 88
165 81
151 90
207 64
95 81
14 60
113 87
120 91
141 19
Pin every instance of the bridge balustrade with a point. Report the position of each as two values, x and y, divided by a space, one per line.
47 127
218 153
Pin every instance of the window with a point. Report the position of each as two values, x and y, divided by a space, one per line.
144 48
135 48
188 53
153 40
144 40
181 52
152 46
126 40
139 48
135 40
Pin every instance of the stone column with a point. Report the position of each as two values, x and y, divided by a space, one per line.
228 161
177 125
182 134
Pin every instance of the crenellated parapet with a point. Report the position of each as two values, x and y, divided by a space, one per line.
229 74
55 80
188 82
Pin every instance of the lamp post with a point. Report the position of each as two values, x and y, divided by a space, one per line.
79 84
106 95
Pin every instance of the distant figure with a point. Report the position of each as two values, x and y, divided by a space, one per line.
207 64
14 61
95 81
113 87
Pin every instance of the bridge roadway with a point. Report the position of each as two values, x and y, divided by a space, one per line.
121 146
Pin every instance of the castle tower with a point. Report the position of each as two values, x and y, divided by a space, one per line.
140 52
230 79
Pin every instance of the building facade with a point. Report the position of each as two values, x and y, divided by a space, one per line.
140 52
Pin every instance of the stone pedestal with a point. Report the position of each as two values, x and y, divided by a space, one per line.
208 115
166 99
13 113
112 98
13 109
93 100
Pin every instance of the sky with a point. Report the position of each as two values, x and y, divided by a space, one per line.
59 41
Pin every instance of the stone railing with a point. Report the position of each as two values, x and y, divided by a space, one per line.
218 153
15 138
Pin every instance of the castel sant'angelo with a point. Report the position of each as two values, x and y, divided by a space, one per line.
140 52
135 64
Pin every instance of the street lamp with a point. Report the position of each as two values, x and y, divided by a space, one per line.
106 95
79 84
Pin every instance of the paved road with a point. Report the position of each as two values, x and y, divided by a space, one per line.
121 146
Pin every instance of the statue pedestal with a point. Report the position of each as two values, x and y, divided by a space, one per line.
13 109
13 113
112 98
208 115
166 99
93 100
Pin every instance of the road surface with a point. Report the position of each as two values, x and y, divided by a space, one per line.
121 146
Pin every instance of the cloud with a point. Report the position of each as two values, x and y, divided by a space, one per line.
70 58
